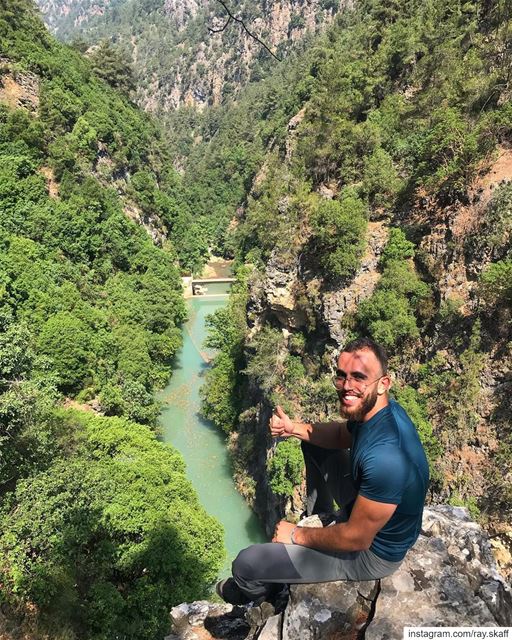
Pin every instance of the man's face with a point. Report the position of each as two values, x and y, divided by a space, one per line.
363 386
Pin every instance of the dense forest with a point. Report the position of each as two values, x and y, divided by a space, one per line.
100 531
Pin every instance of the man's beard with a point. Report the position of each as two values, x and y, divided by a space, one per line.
358 414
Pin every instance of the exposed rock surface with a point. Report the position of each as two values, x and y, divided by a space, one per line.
151 222
328 610
202 620
449 578
281 292
338 303
198 67
18 90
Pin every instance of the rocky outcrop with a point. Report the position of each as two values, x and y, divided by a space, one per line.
449 578
276 295
321 611
18 90
455 247
286 294
340 302
153 225
223 62
62 16
203 620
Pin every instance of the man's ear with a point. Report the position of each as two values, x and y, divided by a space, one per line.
384 385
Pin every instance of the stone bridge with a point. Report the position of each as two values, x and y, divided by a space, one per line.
199 286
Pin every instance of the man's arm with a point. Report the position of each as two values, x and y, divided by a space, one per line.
366 519
329 435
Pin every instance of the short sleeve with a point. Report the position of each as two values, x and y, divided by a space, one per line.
384 472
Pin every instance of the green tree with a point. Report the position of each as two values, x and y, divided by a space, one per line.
110 65
285 467
107 540
495 284
223 392
381 181
67 340
400 299
338 238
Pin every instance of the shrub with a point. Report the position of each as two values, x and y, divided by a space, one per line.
219 393
397 247
390 314
469 503
416 406
296 22
285 467
222 392
338 238
495 284
388 317
295 371
448 150
381 182
453 394
66 340
266 363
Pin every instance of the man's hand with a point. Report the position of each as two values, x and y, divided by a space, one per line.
366 519
280 424
283 532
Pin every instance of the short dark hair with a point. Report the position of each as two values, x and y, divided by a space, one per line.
367 343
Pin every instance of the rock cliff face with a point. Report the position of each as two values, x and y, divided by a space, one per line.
449 578
177 60
18 90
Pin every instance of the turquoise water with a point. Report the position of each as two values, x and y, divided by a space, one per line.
201 444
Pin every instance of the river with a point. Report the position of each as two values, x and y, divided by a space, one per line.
201 444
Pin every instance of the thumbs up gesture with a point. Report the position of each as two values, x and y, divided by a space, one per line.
280 424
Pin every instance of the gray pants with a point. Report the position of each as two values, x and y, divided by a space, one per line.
259 569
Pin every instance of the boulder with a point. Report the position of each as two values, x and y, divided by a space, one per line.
449 578
331 610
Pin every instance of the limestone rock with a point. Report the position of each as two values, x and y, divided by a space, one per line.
449 578
272 629
329 610
18 90
151 222
339 302
279 287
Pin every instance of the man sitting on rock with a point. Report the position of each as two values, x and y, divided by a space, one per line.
372 464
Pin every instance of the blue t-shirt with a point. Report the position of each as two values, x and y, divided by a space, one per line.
389 465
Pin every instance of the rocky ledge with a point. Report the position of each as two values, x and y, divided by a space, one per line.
449 578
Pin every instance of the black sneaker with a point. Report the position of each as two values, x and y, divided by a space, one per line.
230 592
